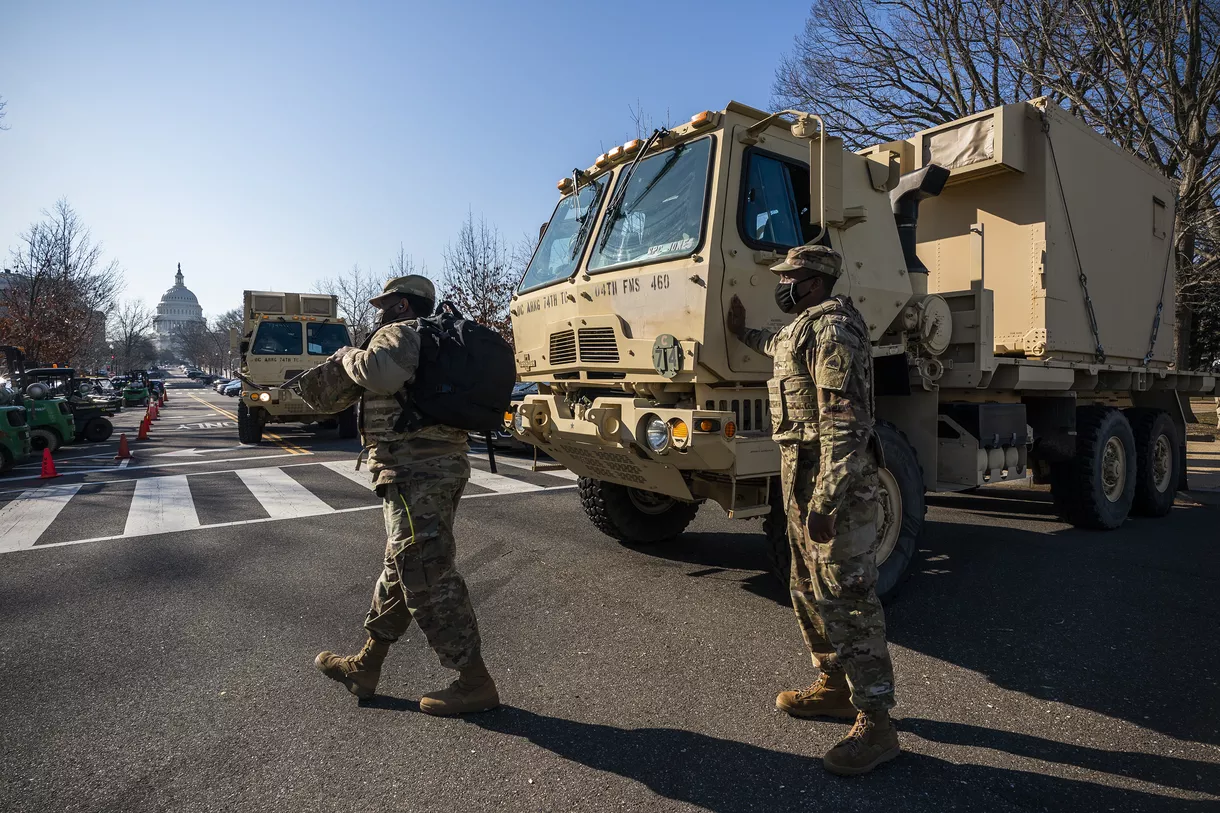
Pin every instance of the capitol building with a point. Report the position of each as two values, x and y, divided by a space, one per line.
178 308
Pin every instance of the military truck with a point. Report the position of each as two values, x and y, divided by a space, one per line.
49 418
14 431
1014 269
282 335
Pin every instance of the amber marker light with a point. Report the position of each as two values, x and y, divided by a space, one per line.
601 160
564 185
707 425
632 145
615 154
701 119
730 429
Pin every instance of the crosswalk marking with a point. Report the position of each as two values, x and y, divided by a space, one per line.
165 504
159 505
24 519
561 473
280 495
348 470
499 483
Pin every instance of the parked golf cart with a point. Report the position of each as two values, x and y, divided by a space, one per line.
14 432
135 388
91 419
49 418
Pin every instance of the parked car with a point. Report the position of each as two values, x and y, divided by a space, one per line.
219 384
502 438
233 389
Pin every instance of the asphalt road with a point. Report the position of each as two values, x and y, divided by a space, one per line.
1039 667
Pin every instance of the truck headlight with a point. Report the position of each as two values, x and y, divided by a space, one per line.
656 433
264 397
519 422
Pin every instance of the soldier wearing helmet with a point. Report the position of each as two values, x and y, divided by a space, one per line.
821 397
419 475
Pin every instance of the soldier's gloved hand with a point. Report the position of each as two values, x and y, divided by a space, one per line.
341 352
735 320
821 527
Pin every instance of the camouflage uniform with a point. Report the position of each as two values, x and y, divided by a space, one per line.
821 398
419 476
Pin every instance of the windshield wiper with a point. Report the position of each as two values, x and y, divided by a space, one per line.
615 210
585 220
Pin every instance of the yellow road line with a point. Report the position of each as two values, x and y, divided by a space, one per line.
287 446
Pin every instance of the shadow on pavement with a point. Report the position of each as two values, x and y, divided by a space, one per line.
726 776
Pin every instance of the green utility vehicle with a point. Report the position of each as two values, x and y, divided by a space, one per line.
14 433
91 418
136 388
49 418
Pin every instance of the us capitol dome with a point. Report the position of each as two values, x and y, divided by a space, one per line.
178 308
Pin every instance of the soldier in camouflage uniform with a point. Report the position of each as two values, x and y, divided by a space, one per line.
821 397
419 476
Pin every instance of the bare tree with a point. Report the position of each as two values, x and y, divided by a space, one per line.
642 121
1144 73
404 265
62 288
479 275
354 289
3 105
130 326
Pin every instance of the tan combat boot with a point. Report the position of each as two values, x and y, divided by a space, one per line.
829 696
360 672
474 690
872 741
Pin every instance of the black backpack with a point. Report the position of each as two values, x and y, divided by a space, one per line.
465 377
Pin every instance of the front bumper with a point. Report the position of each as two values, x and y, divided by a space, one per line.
607 441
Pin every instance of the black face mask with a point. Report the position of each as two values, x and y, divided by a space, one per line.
786 296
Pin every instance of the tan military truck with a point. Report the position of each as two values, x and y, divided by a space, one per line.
282 335
1014 269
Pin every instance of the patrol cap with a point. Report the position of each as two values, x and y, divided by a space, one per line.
822 259
412 284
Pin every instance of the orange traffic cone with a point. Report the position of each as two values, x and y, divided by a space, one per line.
152 413
165 395
143 434
124 452
48 465
161 401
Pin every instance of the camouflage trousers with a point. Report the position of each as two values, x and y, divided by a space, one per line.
834 583
420 580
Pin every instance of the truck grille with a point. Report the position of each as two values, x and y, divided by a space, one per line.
598 345
750 414
563 347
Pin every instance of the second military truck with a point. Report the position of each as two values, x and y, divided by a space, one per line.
282 335
1014 268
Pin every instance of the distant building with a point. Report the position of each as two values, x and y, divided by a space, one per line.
178 308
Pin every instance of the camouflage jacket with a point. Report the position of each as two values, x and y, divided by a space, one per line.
387 364
822 391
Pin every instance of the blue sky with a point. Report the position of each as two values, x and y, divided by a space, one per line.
265 145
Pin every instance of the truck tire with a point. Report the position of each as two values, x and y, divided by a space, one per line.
6 460
1095 489
901 508
634 516
249 427
1157 450
98 430
45 439
347 423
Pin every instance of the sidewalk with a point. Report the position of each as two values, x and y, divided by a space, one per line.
1203 466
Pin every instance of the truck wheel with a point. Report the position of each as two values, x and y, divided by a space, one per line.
45 439
1156 461
634 516
347 423
98 430
6 460
249 427
900 514
1096 488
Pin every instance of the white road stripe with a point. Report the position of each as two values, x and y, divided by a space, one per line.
161 505
25 518
529 466
348 469
280 495
499 483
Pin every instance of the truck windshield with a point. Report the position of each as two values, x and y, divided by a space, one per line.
324 339
278 339
662 209
564 239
